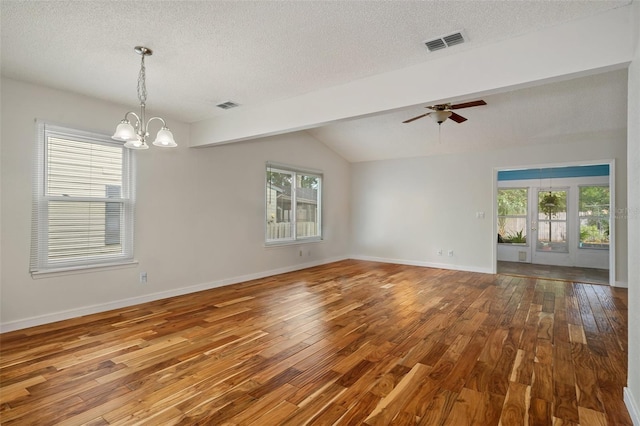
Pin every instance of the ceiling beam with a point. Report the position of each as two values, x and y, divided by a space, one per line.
591 45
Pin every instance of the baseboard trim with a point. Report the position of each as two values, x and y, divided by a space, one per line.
449 266
629 401
621 284
123 303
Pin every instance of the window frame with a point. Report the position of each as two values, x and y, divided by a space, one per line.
40 263
294 171
516 216
602 246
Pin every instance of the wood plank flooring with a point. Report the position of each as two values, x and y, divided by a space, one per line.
347 343
566 273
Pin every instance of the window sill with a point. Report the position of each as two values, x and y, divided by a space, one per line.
271 244
73 270
593 247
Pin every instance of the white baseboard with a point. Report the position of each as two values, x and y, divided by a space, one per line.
621 284
465 268
103 307
629 401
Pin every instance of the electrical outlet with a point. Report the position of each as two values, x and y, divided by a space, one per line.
439 252
450 252
300 253
143 277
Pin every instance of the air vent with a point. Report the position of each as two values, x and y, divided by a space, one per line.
445 41
436 44
227 105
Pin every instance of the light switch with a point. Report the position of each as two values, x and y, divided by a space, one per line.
479 215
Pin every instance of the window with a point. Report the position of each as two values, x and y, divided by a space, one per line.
83 201
512 215
293 205
593 214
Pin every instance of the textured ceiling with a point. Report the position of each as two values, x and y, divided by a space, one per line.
257 52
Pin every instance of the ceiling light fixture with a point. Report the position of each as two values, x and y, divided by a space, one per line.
136 138
440 116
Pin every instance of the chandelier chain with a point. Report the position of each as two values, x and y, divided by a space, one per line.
142 86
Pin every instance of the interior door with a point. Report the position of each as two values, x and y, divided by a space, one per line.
549 227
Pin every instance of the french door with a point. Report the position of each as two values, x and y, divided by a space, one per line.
549 212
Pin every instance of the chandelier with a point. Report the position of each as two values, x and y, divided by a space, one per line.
136 137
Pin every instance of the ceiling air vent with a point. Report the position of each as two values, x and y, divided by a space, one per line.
445 41
227 105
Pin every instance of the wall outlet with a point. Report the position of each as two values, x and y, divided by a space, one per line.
300 253
450 252
143 277
439 252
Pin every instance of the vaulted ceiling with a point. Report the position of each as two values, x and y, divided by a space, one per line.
258 53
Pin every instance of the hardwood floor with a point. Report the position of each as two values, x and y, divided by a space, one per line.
348 343
566 273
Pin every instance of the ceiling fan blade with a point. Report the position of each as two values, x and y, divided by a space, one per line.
468 104
415 118
457 117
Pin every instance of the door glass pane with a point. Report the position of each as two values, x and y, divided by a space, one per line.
552 221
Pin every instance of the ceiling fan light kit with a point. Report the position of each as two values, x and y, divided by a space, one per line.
440 116
135 136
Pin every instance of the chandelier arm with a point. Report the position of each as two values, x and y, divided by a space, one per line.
164 124
126 116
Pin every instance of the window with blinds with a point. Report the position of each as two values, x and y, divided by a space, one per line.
83 201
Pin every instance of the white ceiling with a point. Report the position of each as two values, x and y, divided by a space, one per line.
579 109
258 52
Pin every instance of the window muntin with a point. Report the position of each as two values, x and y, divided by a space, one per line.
512 215
593 215
293 205
83 200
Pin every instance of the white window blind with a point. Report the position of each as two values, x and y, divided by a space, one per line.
83 206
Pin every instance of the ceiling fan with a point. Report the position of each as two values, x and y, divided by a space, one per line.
443 111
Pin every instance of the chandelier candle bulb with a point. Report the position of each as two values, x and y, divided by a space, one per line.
136 137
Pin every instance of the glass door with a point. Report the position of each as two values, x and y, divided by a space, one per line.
550 227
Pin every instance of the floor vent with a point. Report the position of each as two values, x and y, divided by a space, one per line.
445 41
227 105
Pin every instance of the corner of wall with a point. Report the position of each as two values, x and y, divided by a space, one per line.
629 401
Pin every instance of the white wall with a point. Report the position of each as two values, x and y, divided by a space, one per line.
200 212
405 210
632 393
